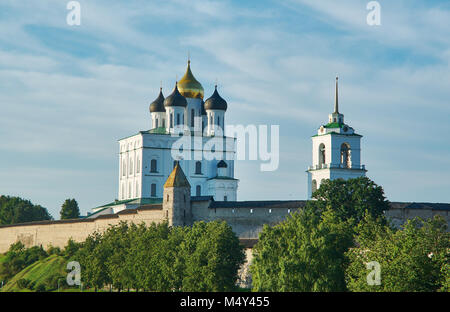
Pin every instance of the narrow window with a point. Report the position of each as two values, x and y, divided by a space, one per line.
178 119
225 198
156 123
198 190
138 165
192 117
153 191
198 167
153 166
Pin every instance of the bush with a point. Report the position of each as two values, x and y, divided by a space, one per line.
40 288
23 283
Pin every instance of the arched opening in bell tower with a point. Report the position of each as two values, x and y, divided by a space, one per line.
321 154
346 155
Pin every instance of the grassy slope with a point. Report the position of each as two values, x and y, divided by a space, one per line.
38 272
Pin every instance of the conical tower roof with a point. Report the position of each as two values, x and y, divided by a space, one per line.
177 178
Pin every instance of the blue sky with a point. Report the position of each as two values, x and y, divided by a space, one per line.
68 93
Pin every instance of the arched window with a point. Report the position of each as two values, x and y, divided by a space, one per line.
138 165
178 119
218 121
124 168
171 120
129 190
153 190
321 154
156 123
198 167
198 190
313 186
225 198
345 155
153 166
136 190
192 117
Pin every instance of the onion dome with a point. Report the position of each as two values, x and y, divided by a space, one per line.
222 164
175 99
203 109
158 105
189 86
216 102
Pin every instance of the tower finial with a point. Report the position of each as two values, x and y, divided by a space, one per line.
336 99
189 57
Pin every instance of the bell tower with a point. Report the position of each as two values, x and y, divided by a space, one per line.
336 151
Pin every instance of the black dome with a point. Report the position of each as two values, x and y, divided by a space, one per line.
222 164
175 99
158 104
215 102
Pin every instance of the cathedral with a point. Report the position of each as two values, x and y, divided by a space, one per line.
146 158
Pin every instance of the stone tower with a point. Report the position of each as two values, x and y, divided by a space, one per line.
336 151
177 198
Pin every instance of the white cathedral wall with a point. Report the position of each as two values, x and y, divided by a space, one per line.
130 167
155 146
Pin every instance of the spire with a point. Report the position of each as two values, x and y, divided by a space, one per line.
336 101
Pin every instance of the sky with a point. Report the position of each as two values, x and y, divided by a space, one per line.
68 93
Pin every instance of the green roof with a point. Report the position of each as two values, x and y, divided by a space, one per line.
139 201
334 125
160 130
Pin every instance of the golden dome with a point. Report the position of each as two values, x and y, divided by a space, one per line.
189 86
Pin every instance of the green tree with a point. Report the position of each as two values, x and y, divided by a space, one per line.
212 256
70 209
306 252
303 253
92 258
414 258
352 198
17 210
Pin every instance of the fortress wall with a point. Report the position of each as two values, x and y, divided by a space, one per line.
57 233
246 222
398 216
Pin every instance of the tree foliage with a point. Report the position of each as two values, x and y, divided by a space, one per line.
70 209
352 198
306 252
204 257
415 258
17 210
